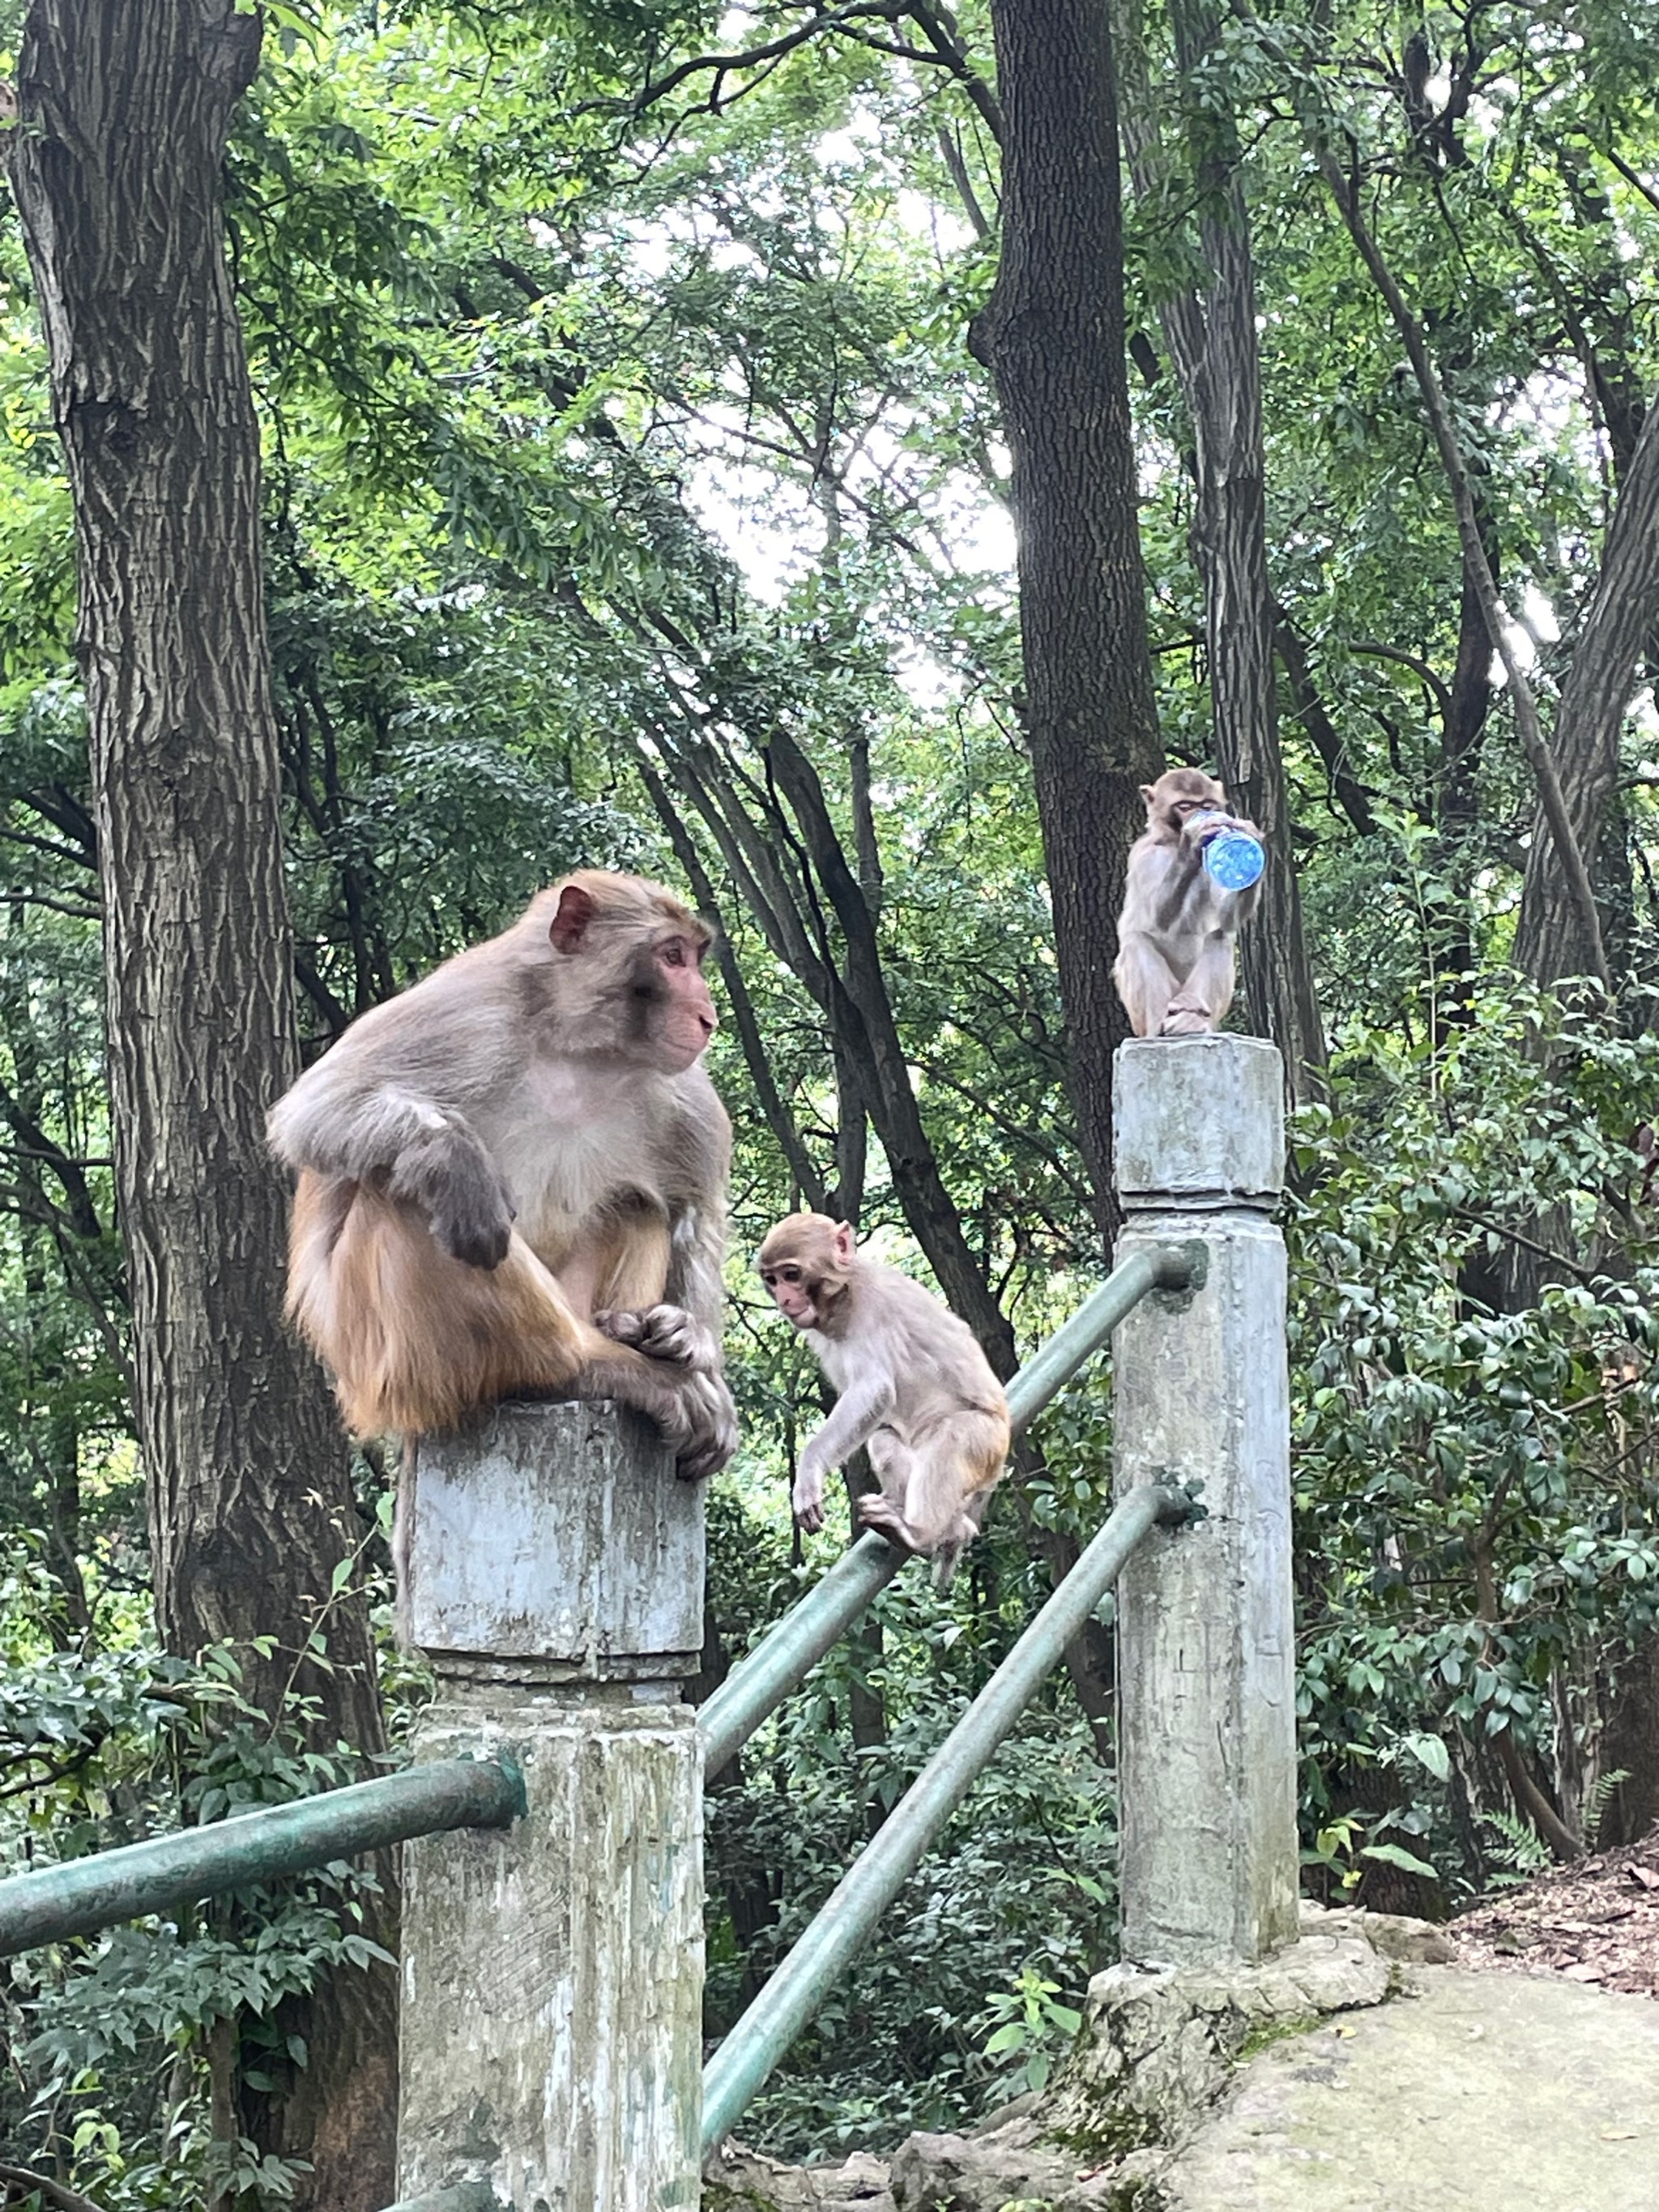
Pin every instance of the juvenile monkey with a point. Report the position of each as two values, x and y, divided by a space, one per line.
910 1381
512 1179
1175 962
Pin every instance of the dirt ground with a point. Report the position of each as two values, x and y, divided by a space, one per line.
1597 1921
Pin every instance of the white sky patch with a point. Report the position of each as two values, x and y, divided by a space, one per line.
1538 626
927 683
768 552
922 217
1540 616
991 541
1525 651
848 148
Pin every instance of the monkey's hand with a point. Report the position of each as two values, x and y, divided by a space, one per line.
1198 829
807 1497
704 1429
450 1176
665 1332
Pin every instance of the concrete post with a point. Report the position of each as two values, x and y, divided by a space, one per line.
1206 1757
552 1975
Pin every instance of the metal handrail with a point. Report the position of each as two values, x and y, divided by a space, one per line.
789 1650
82 1895
844 1924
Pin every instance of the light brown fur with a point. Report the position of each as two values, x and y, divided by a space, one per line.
1175 964
912 1384
553 1071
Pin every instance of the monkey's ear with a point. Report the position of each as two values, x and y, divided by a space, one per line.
570 925
1146 792
844 1243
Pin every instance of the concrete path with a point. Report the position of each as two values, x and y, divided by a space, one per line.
1490 2093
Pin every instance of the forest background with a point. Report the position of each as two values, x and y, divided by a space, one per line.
643 395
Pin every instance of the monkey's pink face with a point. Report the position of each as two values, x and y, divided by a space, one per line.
790 1294
684 1009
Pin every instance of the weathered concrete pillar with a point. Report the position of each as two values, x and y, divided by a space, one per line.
1206 1658
552 1974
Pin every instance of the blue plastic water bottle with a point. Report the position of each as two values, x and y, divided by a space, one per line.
1234 859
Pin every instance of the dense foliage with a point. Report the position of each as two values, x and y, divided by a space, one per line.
622 445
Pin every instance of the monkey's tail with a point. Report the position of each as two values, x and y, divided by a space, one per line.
946 1560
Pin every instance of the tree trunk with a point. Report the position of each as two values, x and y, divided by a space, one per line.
1213 342
1550 942
1052 336
1630 1743
125 109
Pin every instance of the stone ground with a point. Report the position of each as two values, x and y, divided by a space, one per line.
1488 2093
1522 2078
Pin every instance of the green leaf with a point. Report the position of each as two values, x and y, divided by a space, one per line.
1396 1856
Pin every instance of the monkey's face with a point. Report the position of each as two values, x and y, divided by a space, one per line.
806 1264
793 1295
670 995
1177 795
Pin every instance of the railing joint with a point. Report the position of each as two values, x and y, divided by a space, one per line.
517 1807
1179 1270
1182 1506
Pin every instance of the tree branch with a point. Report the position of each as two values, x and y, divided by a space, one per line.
1345 190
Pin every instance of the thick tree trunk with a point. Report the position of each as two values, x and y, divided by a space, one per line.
1630 1742
1212 338
124 108
1550 941
1052 336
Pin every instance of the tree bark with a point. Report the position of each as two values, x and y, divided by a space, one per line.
1212 337
1052 336
1630 1741
1550 940
124 110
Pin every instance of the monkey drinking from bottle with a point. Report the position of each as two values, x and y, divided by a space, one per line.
1175 934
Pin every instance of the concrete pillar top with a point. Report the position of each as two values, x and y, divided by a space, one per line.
1198 1122
554 1543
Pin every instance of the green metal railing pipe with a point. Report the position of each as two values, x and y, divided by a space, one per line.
82 1895
1051 1367
788 1652
846 1921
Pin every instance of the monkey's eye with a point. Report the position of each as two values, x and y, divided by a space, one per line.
673 955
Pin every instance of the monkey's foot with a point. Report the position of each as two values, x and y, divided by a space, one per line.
879 1512
667 1334
1188 1021
702 1427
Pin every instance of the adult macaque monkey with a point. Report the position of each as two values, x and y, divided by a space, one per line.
911 1384
513 1179
1175 962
